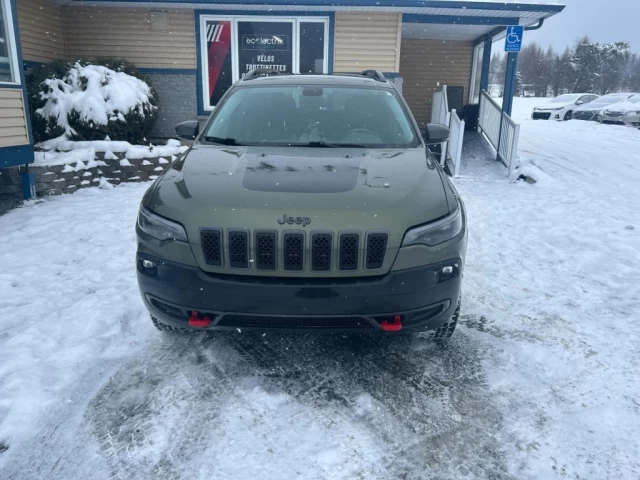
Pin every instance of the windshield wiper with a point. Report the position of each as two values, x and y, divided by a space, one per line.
223 141
321 144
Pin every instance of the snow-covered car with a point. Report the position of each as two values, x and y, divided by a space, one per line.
624 113
562 107
593 110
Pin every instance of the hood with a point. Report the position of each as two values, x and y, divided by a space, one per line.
591 107
552 106
335 189
624 107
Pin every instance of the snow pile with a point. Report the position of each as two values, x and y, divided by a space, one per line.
109 147
97 94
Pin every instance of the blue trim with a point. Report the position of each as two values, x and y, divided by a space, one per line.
458 20
21 154
17 155
486 64
510 83
169 71
239 13
10 85
459 4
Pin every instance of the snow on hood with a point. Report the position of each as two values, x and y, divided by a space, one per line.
630 105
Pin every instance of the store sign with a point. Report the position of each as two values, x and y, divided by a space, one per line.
219 59
266 42
265 45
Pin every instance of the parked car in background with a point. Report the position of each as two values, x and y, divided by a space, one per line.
593 110
562 107
624 113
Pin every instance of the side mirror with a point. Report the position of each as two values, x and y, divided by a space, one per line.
435 133
580 102
188 130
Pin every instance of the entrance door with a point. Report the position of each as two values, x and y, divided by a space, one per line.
265 44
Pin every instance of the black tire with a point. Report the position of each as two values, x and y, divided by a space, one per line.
163 327
445 332
568 115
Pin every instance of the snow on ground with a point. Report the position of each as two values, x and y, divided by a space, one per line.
540 381
552 290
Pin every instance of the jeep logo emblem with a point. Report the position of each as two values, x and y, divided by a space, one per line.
304 221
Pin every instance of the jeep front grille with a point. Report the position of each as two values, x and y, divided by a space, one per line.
294 251
376 249
238 249
211 239
349 251
266 254
321 244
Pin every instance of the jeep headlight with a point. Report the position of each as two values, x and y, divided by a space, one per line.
435 233
160 228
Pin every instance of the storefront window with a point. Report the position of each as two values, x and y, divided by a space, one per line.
265 44
218 59
233 46
312 39
8 72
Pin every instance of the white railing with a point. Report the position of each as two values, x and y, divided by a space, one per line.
440 106
455 142
500 129
508 151
440 114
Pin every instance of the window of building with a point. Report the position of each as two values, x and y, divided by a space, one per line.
233 46
8 56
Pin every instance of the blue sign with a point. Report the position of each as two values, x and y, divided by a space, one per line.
513 42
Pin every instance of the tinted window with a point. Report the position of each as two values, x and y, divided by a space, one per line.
311 47
313 116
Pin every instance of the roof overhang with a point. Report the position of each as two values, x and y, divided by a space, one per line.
532 10
421 18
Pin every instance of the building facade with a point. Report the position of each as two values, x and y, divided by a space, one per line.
195 50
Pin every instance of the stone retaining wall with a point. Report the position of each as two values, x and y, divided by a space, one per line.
59 179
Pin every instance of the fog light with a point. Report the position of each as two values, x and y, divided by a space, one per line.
148 264
447 270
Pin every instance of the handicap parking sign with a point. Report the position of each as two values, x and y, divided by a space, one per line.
513 41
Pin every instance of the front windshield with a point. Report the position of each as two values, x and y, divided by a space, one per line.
313 116
565 98
634 99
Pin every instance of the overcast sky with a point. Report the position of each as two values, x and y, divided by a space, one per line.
602 20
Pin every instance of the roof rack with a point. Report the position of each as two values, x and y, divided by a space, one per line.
377 75
262 72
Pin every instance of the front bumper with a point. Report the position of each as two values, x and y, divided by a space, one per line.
541 115
624 120
422 296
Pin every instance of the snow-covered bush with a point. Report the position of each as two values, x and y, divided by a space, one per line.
91 100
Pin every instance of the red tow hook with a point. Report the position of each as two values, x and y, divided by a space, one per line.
196 322
394 326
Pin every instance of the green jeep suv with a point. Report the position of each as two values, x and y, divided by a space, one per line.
306 203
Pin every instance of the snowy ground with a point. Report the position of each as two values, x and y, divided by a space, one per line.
540 381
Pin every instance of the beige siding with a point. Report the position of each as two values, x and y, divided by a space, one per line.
126 33
13 121
41 30
427 64
367 41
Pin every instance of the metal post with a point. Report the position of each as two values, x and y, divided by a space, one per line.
510 83
509 92
486 64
